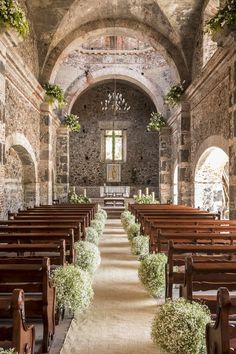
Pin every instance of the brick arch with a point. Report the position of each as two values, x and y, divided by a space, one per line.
19 143
171 50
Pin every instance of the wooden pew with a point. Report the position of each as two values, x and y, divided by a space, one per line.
42 237
199 252
55 251
157 239
18 335
207 276
39 225
32 275
221 336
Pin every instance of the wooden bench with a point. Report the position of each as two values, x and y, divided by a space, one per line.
221 336
199 252
18 335
42 237
32 275
207 276
55 251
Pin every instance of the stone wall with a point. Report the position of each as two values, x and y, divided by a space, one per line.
14 182
142 165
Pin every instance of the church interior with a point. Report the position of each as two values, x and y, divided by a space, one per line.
117 176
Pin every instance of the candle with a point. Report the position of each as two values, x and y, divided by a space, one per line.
85 193
153 196
140 193
73 189
147 191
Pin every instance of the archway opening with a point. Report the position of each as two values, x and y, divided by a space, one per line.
20 179
212 181
209 47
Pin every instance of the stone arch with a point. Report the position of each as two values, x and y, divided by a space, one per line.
211 180
159 42
19 152
79 86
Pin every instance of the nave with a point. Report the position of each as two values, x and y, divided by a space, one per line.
119 319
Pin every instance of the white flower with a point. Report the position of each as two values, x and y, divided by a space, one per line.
87 256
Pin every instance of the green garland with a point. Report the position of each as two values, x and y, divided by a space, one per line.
72 121
12 15
173 97
54 93
145 199
157 121
225 16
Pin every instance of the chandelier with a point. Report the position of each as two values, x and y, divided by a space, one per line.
116 102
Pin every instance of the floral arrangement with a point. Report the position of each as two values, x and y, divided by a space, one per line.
102 211
74 198
12 15
173 97
127 218
87 256
100 217
73 288
54 93
225 16
151 272
133 231
8 351
179 327
72 121
140 246
98 226
91 235
145 199
157 121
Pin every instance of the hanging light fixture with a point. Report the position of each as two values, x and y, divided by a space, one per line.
115 100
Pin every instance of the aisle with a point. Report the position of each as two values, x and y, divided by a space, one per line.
119 320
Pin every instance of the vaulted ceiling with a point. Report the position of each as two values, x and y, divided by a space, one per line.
172 24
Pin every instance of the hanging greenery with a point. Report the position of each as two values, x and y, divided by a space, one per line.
173 97
224 17
12 15
72 121
54 93
157 121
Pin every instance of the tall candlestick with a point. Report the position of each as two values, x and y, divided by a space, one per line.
73 189
140 193
85 193
147 191
153 196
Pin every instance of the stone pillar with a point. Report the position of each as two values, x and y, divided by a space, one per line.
165 165
46 153
62 164
185 187
8 39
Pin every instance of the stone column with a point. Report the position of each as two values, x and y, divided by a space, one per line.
62 164
48 117
185 187
8 39
165 165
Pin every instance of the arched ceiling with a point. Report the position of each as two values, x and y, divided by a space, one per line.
175 22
